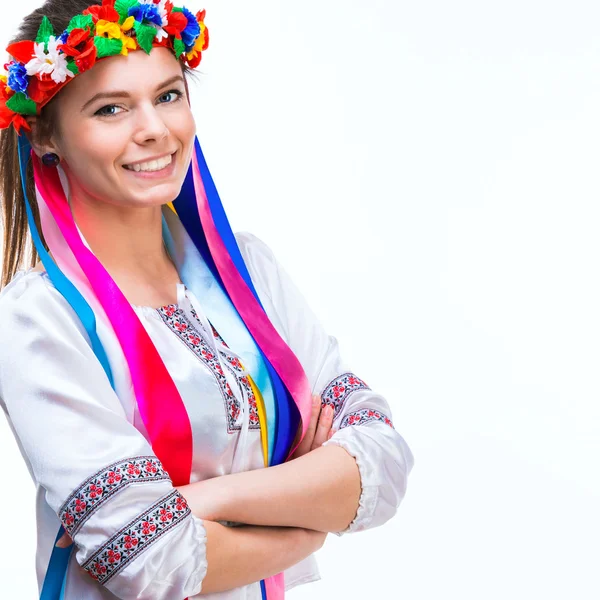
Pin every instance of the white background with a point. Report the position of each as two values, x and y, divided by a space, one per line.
427 172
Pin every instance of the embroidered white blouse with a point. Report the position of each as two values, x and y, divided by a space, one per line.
85 444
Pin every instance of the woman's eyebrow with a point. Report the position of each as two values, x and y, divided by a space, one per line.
125 94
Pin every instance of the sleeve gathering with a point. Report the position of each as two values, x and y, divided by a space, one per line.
362 417
132 529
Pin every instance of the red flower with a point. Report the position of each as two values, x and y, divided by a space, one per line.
81 47
105 12
165 515
7 117
176 21
338 390
133 469
130 541
150 467
40 90
194 62
22 51
113 477
96 490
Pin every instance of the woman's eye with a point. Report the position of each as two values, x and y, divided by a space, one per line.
101 112
176 93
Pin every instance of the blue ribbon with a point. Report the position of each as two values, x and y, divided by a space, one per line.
287 414
56 574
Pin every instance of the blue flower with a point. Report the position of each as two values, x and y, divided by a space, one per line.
191 31
146 13
63 37
18 80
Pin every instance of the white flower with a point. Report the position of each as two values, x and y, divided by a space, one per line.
160 33
51 62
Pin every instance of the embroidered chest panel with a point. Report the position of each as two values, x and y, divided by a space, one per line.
191 335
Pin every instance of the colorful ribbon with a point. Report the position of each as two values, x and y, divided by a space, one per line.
278 379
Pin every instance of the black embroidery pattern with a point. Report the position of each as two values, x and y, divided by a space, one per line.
137 536
337 391
190 335
97 489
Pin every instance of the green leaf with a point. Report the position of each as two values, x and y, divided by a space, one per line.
45 30
80 22
179 47
107 46
21 104
73 67
145 35
122 7
177 9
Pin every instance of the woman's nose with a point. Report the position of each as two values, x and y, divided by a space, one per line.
150 125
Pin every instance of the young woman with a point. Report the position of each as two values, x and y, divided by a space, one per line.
152 363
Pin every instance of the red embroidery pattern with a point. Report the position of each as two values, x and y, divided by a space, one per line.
215 332
137 536
366 415
96 490
338 390
190 335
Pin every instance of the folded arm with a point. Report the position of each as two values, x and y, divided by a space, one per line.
358 478
133 531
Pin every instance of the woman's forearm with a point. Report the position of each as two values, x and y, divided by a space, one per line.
238 556
319 491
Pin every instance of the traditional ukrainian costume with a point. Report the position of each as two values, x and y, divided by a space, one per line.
113 405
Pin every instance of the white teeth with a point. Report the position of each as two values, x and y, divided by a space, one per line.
153 165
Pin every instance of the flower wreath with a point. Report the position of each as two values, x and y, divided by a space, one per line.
42 67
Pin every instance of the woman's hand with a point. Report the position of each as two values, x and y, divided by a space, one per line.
319 429
64 541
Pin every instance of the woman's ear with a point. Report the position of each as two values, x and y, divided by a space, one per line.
33 136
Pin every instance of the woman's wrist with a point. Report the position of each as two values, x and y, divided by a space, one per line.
206 498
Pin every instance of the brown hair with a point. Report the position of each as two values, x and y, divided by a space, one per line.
16 236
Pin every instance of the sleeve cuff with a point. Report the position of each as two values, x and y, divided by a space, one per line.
369 488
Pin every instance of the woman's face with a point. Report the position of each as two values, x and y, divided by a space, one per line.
117 118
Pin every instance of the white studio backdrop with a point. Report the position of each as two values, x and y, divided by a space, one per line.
428 175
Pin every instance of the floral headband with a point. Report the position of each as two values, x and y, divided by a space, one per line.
42 67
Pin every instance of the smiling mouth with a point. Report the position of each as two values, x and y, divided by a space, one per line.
152 165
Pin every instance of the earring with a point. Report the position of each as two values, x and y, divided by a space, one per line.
50 159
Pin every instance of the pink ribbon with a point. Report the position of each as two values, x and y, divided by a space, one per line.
158 399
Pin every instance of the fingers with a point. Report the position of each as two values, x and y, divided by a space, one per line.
306 443
319 428
64 541
323 426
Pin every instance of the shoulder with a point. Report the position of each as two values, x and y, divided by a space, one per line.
253 248
30 306
259 258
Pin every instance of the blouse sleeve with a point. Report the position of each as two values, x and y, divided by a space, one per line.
361 415
133 531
